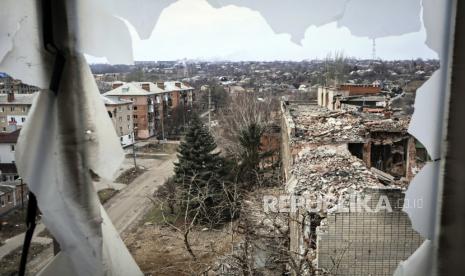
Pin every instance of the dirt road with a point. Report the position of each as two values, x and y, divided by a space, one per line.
126 207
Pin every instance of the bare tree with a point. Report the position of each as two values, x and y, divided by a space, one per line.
244 110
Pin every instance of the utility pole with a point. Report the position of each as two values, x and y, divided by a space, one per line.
209 107
22 193
134 148
163 125
373 53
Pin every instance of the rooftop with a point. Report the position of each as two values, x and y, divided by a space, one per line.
6 189
131 89
171 86
137 88
19 99
10 137
114 101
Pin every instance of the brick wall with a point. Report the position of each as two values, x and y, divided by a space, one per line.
360 89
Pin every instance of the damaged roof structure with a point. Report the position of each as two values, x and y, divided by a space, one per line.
338 154
317 124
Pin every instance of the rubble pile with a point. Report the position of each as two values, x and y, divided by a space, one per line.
331 172
319 124
267 224
395 124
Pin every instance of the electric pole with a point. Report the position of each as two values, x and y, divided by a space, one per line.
209 107
134 148
373 53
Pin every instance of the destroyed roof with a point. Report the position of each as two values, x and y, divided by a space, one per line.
317 124
330 172
376 122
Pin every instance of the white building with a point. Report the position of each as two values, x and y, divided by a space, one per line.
8 146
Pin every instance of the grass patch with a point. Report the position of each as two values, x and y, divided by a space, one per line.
129 175
10 263
105 194
155 215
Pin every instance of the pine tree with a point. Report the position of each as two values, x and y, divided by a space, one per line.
200 171
252 154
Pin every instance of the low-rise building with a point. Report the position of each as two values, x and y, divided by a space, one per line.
327 95
12 195
8 146
121 114
13 110
8 172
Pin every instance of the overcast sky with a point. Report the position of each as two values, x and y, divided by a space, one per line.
193 29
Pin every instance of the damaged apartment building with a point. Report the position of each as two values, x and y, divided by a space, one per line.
335 152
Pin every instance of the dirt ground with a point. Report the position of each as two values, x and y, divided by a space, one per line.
160 250
10 263
158 148
12 224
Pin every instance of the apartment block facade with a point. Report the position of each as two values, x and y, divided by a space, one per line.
153 103
121 114
13 110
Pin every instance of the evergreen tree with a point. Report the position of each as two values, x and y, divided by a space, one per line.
200 172
252 153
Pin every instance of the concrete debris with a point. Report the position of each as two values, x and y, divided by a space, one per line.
320 124
316 124
331 172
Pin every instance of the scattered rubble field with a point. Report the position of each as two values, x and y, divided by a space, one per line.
159 250
12 224
105 194
129 175
10 263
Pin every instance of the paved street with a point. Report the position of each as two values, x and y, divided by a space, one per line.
16 241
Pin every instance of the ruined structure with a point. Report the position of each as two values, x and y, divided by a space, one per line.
337 154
